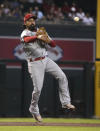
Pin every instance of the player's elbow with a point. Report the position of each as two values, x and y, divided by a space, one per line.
53 44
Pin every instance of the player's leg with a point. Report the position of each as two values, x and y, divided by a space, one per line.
64 94
37 74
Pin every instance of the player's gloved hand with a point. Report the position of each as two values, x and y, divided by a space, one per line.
42 35
44 38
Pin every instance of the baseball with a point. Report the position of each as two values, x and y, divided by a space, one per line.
76 18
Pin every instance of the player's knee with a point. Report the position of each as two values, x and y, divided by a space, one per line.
37 91
63 77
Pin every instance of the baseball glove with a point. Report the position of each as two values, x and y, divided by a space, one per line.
42 35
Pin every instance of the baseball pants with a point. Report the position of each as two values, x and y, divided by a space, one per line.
37 71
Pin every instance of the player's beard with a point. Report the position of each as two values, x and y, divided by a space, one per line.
32 27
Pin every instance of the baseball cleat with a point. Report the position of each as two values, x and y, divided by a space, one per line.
69 106
37 117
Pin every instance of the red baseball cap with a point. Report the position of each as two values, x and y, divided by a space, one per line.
28 16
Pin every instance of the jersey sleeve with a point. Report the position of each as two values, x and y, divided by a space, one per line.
52 43
28 39
26 33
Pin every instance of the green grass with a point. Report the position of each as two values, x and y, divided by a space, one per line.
58 120
39 128
49 128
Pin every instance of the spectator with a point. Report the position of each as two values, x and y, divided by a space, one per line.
6 3
14 4
58 14
30 10
16 12
46 8
73 10
55 15
50 17
40 1
38 13
49 10
53 9
80 14
88 20
65 8
35 3
24 6
71 15
6 10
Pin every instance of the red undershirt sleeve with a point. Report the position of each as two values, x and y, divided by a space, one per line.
28 39
52 44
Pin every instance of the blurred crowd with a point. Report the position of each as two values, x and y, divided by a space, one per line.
46 10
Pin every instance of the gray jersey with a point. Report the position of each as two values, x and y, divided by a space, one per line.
33 49
37 71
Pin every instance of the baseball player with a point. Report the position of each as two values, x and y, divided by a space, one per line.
34 45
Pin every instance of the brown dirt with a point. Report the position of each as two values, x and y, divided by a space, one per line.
48 124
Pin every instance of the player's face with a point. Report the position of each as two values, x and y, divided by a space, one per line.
30 24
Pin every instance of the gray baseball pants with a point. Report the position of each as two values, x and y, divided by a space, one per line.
37 70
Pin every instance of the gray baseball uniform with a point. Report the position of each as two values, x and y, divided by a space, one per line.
38 68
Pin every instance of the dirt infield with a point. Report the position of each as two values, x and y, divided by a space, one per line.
49 124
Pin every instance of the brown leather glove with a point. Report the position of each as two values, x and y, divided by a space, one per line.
42 35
